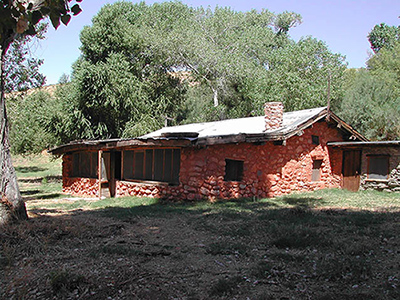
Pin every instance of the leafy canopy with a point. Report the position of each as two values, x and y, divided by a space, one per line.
142 64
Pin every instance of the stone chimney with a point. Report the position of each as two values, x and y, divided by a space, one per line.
273 115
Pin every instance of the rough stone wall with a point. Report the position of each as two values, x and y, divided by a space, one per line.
392 184
269 170
84 187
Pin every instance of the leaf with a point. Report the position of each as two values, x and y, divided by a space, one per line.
36 17
31 30
55 20
65 19
76 9
45 11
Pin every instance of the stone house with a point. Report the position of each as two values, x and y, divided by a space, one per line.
262 156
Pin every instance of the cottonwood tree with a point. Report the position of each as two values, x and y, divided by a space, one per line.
371 102
383 35
18 18
142 63
120 87
21 70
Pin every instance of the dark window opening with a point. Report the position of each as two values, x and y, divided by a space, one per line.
315 139
152 164
233 170
316 170
85 164
117 157
378 166
280 143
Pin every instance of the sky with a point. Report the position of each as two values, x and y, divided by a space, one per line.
342 24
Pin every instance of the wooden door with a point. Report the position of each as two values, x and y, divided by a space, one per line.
351 170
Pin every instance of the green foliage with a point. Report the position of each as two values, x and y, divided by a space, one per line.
382 36
119 88
372 100
28 118
22 71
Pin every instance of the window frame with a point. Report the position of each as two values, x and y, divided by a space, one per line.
316 170
378 156
170 163
315 139
81 164
234 170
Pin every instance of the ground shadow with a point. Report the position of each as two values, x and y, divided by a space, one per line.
204 246
30 192
29 169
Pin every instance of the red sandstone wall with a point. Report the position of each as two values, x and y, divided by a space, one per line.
269 170
84 187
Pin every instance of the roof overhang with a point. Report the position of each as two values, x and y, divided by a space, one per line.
362 144
118 144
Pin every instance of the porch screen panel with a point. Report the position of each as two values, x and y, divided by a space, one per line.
158 164
176 164
149 165
128 164
378 166
168 165
85 164
75 165
139 164
93 164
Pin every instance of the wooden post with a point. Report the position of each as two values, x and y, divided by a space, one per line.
329 97
100 171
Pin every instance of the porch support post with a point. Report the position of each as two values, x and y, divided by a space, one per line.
100 171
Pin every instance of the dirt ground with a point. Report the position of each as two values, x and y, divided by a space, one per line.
181 252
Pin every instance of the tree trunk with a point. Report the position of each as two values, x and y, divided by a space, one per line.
12 207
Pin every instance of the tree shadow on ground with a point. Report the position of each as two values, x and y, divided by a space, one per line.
30 192
199 243
49 178
29 169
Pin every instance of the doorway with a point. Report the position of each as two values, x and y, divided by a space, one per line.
110 172
351 170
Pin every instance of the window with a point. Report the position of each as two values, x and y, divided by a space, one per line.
315 139
316 170
85 164
378 166
152 164
233 170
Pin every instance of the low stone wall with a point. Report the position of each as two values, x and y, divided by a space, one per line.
392 184
83 187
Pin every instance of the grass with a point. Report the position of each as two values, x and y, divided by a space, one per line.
329 244
39 176
38 166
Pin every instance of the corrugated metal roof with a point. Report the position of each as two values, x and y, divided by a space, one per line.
251 125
